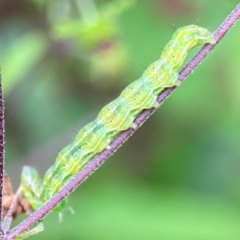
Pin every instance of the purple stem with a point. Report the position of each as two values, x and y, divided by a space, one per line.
143 116
1 148
8 218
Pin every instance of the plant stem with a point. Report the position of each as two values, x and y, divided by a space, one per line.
102 157
8 218
1 148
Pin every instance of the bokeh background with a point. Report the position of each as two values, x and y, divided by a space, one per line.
178 176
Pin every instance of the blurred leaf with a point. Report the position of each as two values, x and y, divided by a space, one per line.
133 211
20 57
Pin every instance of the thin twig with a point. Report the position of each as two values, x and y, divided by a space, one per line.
101 158
8 219
1 148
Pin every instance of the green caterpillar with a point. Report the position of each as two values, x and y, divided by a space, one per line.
113 119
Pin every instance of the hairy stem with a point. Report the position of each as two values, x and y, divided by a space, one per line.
143 116
8 218
1 148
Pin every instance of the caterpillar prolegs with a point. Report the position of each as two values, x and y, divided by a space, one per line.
114 118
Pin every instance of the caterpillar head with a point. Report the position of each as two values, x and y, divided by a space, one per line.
194 35
183 40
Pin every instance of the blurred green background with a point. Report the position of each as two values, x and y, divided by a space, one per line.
178 176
